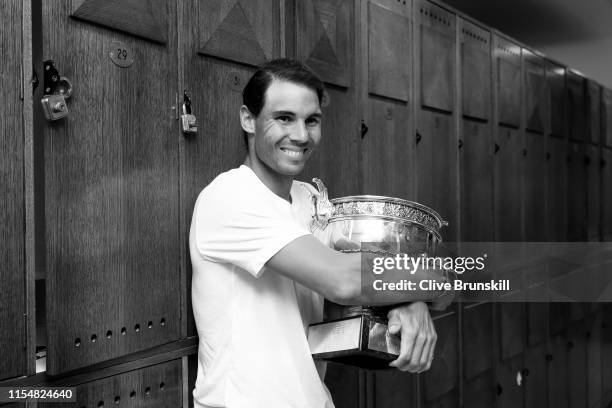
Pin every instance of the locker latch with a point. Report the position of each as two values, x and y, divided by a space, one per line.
187 118
56 90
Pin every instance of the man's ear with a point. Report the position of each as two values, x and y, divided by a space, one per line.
247 120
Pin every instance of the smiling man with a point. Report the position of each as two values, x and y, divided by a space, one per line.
260 275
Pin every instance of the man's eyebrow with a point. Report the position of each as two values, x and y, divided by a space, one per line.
316 115
283 113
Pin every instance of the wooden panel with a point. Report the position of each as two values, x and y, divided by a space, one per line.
389 52
142 18
537 315
475 70
577 197
480 392
534 377
508 58
535 92
155 386
393 388
594 360
577 367
555 76
215 86
507 186
509 392
344 385
534 187
111 188
557 189
477 339
606 352
448 400
437 45
12 200
594 110
576 106
607 117
512 324
606 193
558 376
324 38
388 148
476 181
442 377
594 173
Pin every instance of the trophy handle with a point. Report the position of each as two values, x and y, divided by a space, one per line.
323 209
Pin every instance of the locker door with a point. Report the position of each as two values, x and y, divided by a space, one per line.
154 386
577 199
558 377
111 182
606 359
594 359
593 169
477 340
534 377
555 77
534 155
576 106
508 143
577 366
476 150
594 111
387 148
221 43
606 199
607 117
436 140
14 360
325 40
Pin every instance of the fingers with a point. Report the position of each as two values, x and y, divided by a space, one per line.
418 339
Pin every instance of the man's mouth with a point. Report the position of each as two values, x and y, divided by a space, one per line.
294 152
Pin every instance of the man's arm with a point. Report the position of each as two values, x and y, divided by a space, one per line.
337 276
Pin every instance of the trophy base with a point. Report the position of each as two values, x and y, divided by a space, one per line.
361 341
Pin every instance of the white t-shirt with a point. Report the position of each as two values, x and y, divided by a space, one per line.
253 351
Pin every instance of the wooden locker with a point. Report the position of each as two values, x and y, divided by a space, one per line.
509 383
480 391
534 377
595 348
154 386
606 352
436 139
477 339
111 182
576 192
475 143
325 40
387 147
15 139
508 143
558 376
577 366
221 43
555 78
534 148
606 194
576 106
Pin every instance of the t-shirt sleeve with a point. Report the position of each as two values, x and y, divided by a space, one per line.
246 233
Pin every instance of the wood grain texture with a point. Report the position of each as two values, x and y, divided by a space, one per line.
477 339
509 84
111 182
12 200
475 66
577 193
555 77
594 111
535 92
389 53
512 329
557 189
155 386
507 186
146 19
325 39
534 187
593 191
576 107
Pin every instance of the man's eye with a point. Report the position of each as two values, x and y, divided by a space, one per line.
284 118
313 121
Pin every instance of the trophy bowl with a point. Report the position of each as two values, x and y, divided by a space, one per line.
385 226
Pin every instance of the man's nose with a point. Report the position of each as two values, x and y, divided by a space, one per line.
300 134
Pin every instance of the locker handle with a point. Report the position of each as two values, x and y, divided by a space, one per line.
499 390
418 137
364 129
460 143
496 148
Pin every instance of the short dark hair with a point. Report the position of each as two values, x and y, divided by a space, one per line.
283 69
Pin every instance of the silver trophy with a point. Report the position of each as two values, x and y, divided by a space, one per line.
383 226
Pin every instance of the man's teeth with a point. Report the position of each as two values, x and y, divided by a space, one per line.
293 152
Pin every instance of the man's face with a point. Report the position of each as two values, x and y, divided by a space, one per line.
287 129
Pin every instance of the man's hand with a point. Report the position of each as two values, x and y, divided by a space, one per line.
418 336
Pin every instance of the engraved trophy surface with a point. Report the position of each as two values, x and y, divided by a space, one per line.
383 226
